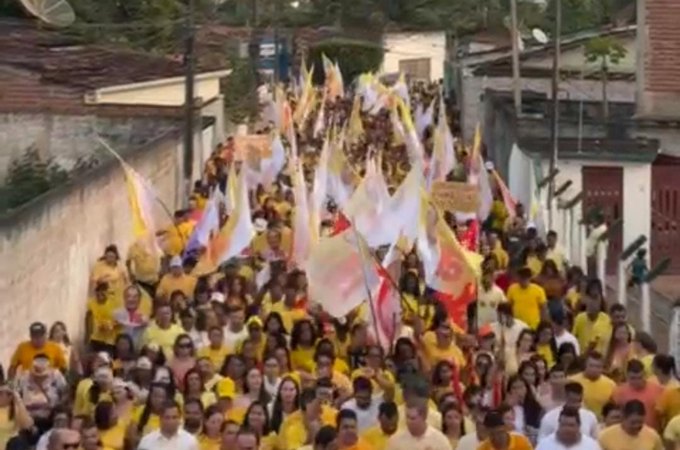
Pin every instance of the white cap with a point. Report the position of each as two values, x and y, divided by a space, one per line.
260 224
217 297
489 165
176 261
531 225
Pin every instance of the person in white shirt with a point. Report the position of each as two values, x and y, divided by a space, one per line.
562 334
363 404
236 330
170 436
574 399
568 435
418 435
471 441
489 296
507 329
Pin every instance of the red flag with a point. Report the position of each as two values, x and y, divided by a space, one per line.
341 224
387 301
456 307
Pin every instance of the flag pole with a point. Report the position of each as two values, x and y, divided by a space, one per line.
368 290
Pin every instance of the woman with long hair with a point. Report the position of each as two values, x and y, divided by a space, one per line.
618 351
527 410
13 415
211 434
271 371
253 390
147 418
568 358
110 270
453 423
235 368
545 343
287 401
111 428
59 334
184 358
124 356
194 388
542 375
257 419
123 401
524 349
303 339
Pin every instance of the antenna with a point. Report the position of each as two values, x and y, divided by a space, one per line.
57 13
539 36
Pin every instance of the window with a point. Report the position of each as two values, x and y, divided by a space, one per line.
416 69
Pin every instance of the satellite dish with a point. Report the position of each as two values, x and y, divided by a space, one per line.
57 13
539 35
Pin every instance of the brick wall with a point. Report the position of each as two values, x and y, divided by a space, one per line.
69 137
659 63
49 245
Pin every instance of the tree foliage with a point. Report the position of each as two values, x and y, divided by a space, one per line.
353 57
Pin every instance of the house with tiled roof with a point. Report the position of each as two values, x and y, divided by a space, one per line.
58 93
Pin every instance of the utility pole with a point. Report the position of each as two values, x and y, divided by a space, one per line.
555 118
189 65
277 18
516 80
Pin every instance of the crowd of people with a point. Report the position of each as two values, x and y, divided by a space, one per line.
176 358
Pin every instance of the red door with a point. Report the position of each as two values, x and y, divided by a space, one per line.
665 239
603 189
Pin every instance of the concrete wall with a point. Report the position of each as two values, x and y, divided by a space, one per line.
69 137
49 245
404 46
473 88
168 92
637 188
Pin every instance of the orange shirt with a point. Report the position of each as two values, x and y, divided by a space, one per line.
25 352
648 396
517 442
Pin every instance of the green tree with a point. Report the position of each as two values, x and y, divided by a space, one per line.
353 57
604 50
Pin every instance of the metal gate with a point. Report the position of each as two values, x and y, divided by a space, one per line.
665 239
603 189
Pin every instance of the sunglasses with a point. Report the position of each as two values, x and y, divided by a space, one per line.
74 446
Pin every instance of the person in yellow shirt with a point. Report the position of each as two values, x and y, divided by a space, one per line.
528 300
632 433
25 353
440 345
216 350
210 437
299 426
100 324
388 421
597 388
499 436
226 393
111 428
163 331
177 235
302 345
109 270
498 251
176 280
13 415
348 435
592 328
143 266
671 433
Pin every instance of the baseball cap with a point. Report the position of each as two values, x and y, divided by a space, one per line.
144 363
176 261
37 328
254 321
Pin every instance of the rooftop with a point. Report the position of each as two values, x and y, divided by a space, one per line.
629 150
46 69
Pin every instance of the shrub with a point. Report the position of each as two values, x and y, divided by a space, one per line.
353 57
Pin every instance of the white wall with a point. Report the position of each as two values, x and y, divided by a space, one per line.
637 182
170 93
402 46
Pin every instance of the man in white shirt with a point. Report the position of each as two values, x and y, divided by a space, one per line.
170 436
489 296
363 404
235 331
574 399
568 435
418 434
562 335
471 440
507 329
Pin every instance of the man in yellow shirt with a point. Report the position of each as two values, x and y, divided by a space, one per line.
597 388
23 356
632 433
592 328
100 325
497 250
297 429
388 421
528 300
176 280
143 266
216 351
163 331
